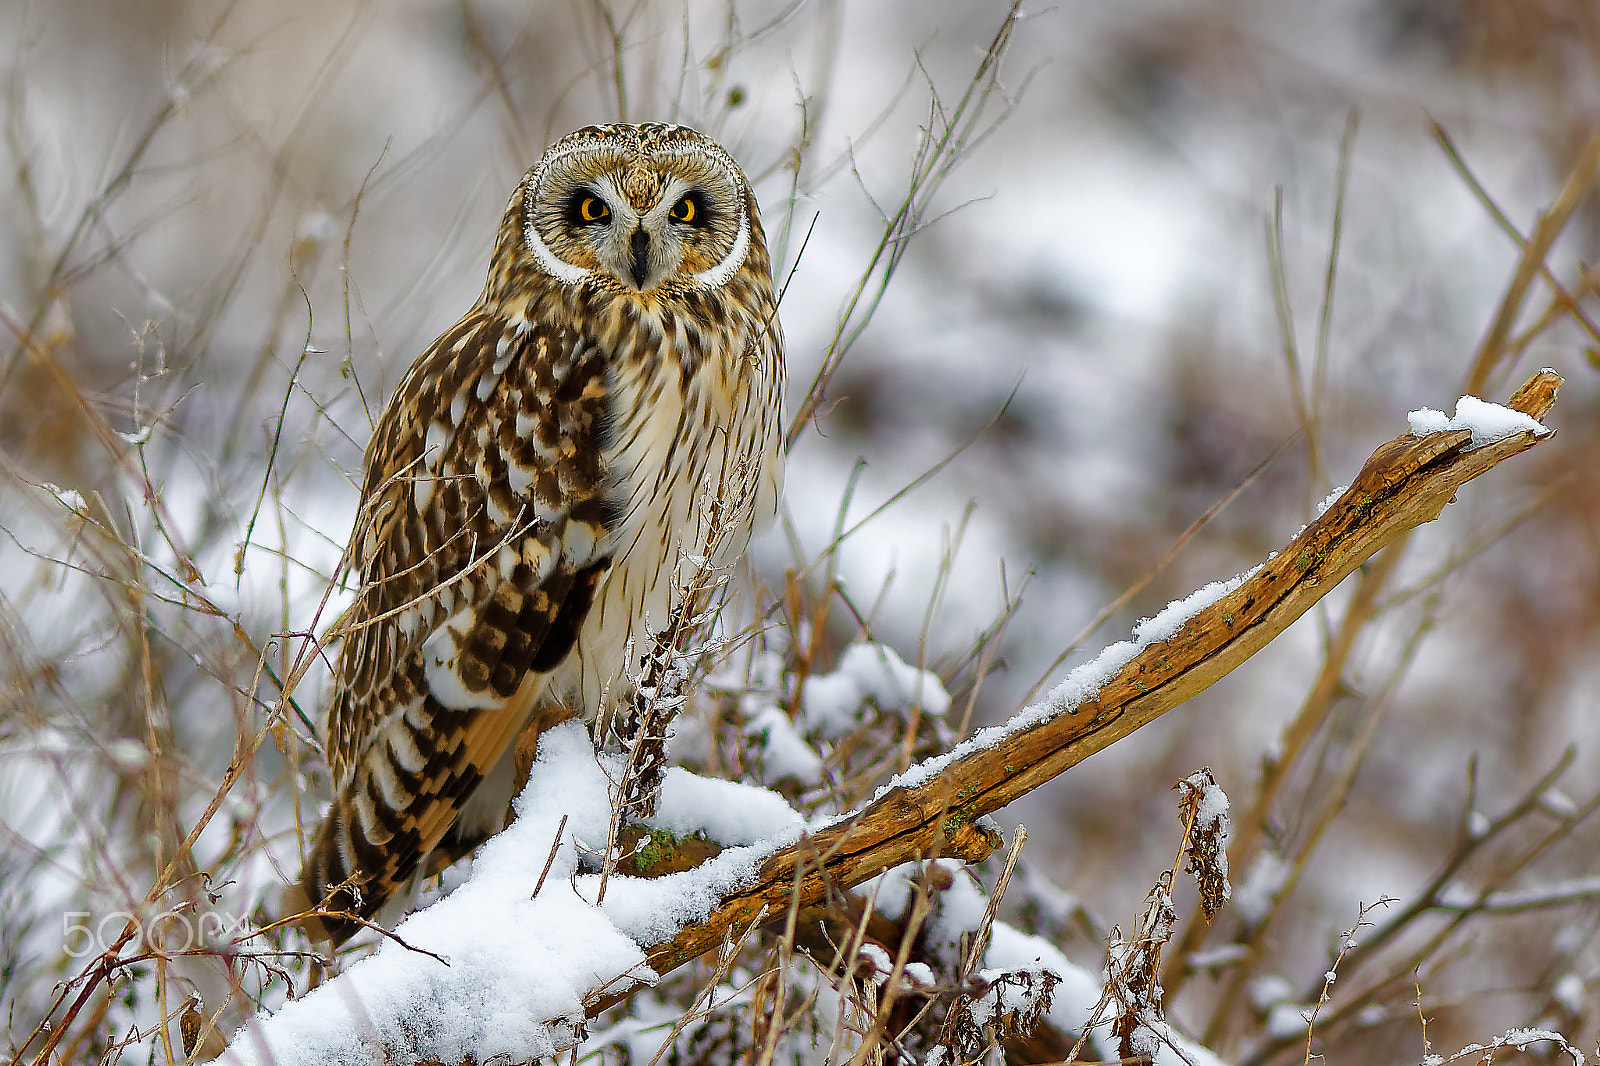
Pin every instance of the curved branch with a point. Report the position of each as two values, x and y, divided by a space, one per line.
1404 484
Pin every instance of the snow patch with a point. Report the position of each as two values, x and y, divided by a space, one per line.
784 752
503 976
1253 896
71 499
510 973
1488 422
833 703
730 812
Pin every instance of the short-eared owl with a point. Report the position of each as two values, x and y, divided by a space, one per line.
539 484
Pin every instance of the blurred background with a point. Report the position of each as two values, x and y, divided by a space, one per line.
1181 241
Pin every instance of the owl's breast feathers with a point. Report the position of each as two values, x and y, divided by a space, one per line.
695 418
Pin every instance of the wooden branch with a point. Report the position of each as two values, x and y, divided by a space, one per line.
1404 484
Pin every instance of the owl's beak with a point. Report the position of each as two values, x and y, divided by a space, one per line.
640 246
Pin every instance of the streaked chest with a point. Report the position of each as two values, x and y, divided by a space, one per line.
691 457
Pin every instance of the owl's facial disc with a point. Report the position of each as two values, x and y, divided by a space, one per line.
638 218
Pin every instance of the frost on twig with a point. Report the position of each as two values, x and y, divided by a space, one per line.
997 1003
1518 1039
1204 810
1133 969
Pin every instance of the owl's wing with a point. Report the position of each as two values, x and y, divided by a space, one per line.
480 541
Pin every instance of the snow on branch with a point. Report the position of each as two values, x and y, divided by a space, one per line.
508 967
519 976
934 807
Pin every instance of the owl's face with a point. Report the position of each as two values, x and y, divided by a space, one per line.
637 209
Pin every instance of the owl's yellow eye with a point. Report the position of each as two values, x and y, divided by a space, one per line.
593 209
685 210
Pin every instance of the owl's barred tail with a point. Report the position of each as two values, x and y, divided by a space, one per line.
329 888
397 806
366 849
421 766
333 899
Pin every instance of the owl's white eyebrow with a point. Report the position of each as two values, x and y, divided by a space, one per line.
670 195
608 191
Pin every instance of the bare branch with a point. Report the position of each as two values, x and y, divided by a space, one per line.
935 807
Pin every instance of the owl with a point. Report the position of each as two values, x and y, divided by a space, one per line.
538 488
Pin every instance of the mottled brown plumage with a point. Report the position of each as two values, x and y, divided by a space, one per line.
538 485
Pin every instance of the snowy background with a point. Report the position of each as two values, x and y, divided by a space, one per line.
230 231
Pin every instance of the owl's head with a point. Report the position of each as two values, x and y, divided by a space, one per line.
637 209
